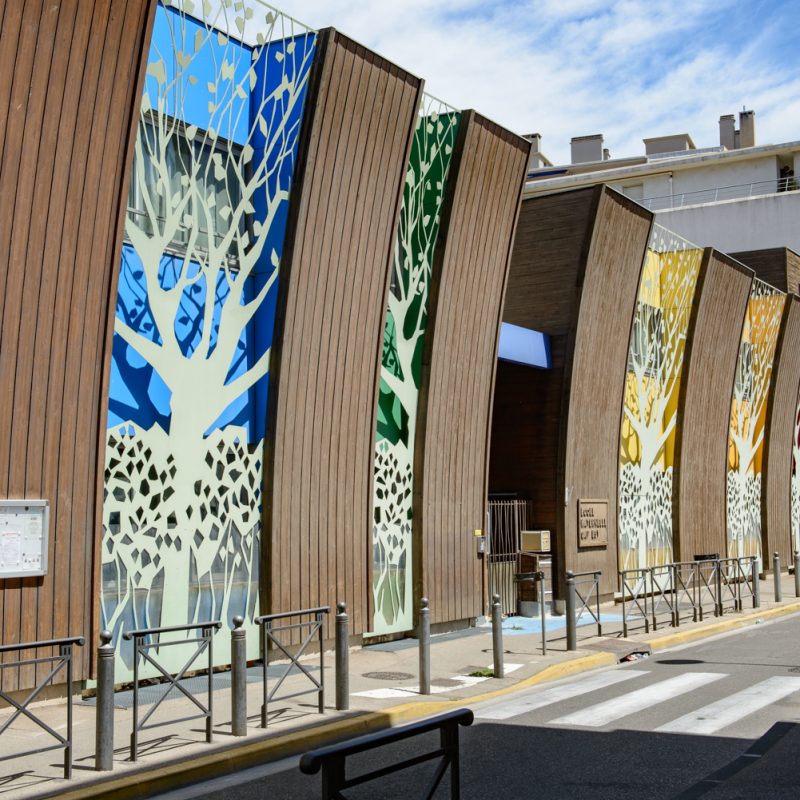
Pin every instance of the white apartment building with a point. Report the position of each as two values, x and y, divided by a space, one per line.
736 196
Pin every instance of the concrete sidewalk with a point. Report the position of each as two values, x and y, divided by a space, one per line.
383 687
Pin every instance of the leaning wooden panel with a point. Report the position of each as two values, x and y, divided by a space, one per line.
776 265
778 438
713 340
468 282
549 249
595 382
349 176
59 207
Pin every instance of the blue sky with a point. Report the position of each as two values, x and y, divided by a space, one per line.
628 69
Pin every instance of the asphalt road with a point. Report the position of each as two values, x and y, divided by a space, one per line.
654 728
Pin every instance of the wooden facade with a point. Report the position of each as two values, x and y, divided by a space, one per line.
467 288
778 266
70 83
701 457
776 492
357 130
574 276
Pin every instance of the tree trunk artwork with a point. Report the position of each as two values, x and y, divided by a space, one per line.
214 155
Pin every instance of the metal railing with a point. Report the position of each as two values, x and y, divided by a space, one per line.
316 626
58 662
332 760
580 601
685 588
740 191
142 645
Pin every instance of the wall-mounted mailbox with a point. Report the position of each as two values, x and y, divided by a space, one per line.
24 526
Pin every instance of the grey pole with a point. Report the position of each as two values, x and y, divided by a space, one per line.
756 583
342 658
424 647
572 633
797 573
543 611
238 677
497 637
104 710
776 575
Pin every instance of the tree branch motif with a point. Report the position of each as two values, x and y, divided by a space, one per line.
401 366
655 365
218 130
748 408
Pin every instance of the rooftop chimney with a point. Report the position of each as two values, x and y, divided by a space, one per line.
586 148
747 129
537 159
727 131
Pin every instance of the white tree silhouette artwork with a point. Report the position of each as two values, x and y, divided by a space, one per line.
748 406
204 234
655 365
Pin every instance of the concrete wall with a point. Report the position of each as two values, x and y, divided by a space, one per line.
752 224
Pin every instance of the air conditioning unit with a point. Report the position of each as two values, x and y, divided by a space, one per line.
535 541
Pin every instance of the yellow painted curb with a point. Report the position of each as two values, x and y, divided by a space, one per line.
705 631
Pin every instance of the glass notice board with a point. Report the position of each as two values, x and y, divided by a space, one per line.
24 526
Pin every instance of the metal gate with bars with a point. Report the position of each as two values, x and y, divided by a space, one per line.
507 518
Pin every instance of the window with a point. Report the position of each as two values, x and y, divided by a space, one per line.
647 339
743 387
204 166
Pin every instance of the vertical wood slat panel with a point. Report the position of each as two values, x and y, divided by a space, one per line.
25 473
357 132
776 495
701 452
69 96
466 297
609 288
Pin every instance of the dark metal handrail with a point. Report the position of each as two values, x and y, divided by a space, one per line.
315 626
141 646
62 660
331 759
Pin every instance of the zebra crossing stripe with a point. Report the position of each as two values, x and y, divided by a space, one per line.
730 709
601 714
556 694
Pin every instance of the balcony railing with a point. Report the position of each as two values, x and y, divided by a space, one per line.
738 192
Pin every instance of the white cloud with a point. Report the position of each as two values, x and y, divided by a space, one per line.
626 68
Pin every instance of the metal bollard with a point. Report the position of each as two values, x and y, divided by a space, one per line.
238 678
342 658
797 573
572 633
104 710
543 613
497 637
756 583
424 647
776 575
